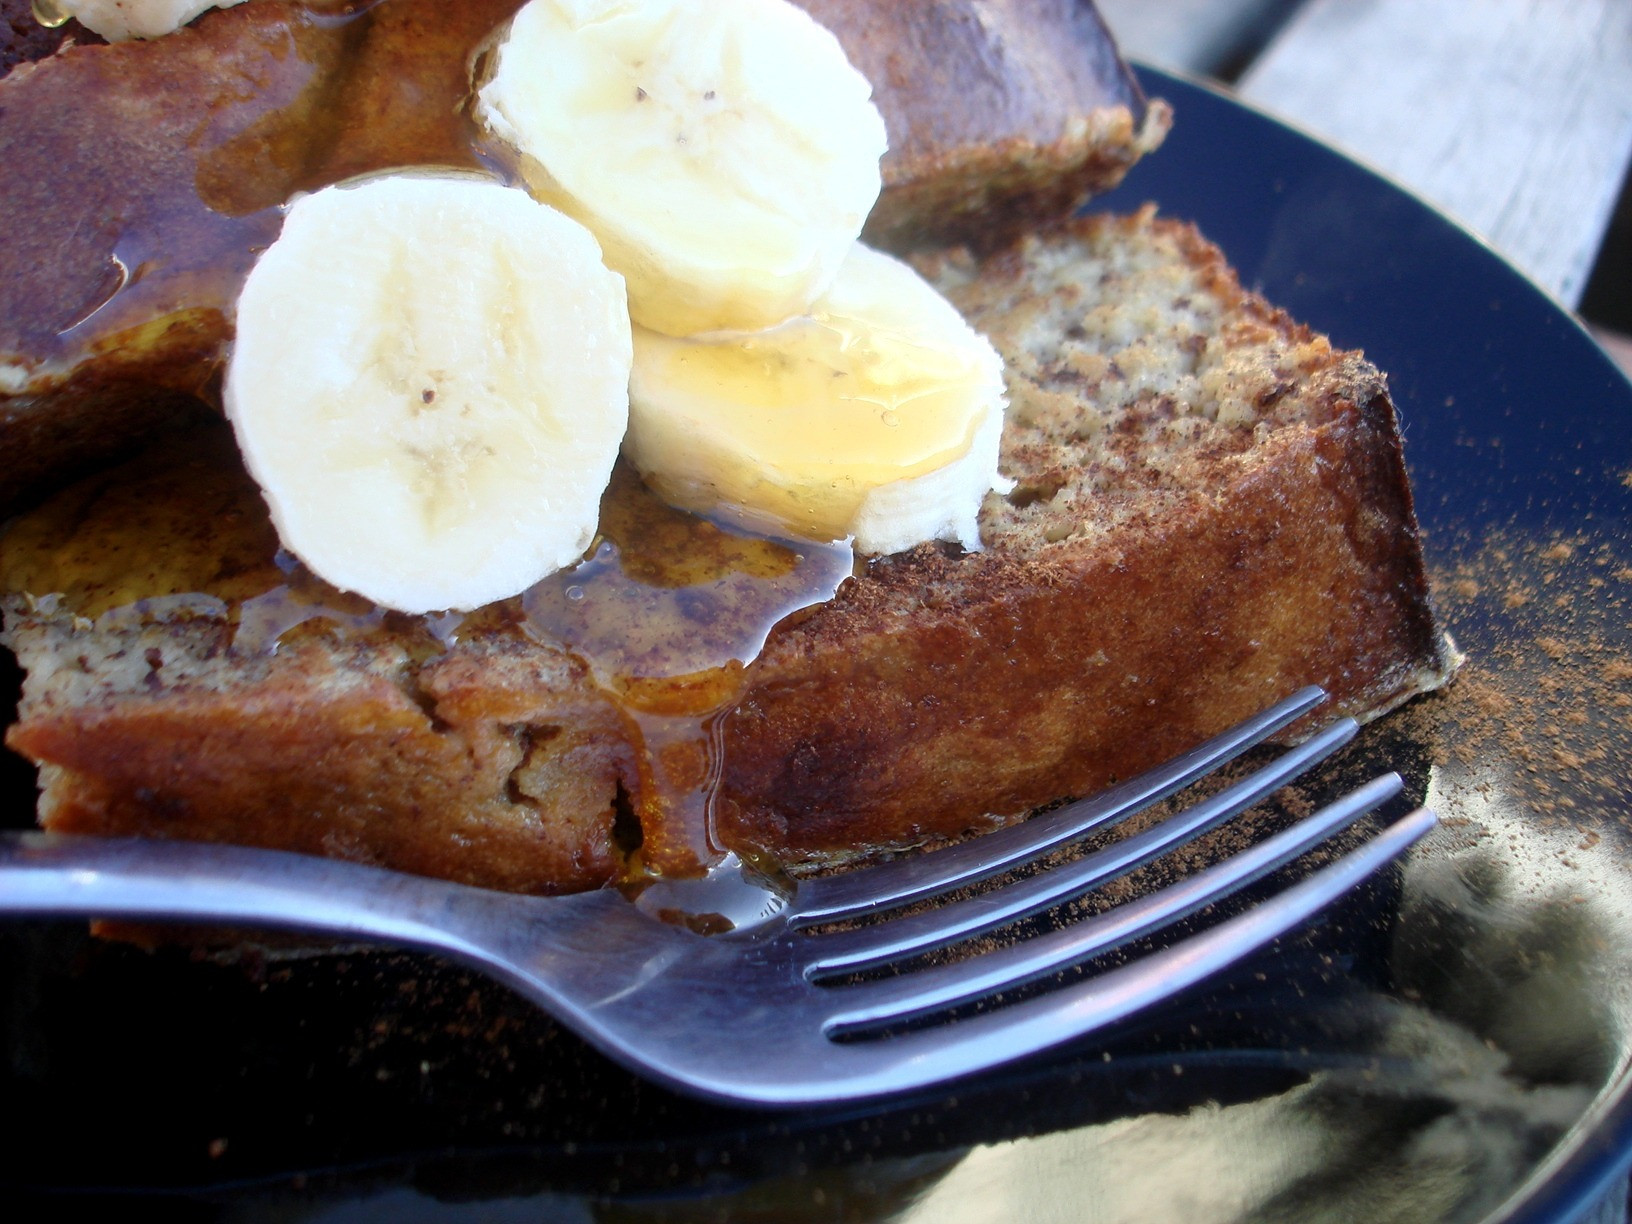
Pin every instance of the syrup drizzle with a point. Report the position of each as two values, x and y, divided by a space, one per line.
317 93
667 612
263 620
49 15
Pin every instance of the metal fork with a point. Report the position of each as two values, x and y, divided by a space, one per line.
777 1011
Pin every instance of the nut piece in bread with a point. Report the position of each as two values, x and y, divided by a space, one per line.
1211 511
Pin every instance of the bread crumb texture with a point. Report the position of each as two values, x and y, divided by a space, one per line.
1136 363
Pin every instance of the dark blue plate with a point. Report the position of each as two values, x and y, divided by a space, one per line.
1518 433
1447 1044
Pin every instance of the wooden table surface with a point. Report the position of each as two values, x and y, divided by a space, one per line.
1513 116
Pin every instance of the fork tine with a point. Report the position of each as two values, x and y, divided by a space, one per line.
871 890
848 951
1116 993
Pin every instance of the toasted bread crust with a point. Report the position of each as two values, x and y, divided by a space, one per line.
508 779
1165 566
1211 511
1000 115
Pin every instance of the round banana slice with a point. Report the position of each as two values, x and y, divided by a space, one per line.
429 383
724 152
121 20
876 416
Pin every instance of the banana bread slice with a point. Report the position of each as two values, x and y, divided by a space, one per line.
1211 510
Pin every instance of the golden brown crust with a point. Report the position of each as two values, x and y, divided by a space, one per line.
496 769
1163 568
999 114
1211 511
909 720
336 730
987 194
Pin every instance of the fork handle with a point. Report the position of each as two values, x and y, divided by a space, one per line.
153 880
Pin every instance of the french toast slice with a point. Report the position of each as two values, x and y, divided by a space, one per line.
1210 511
144 178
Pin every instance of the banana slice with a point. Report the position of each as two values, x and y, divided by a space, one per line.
121 20
876 416
429 384
724 152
